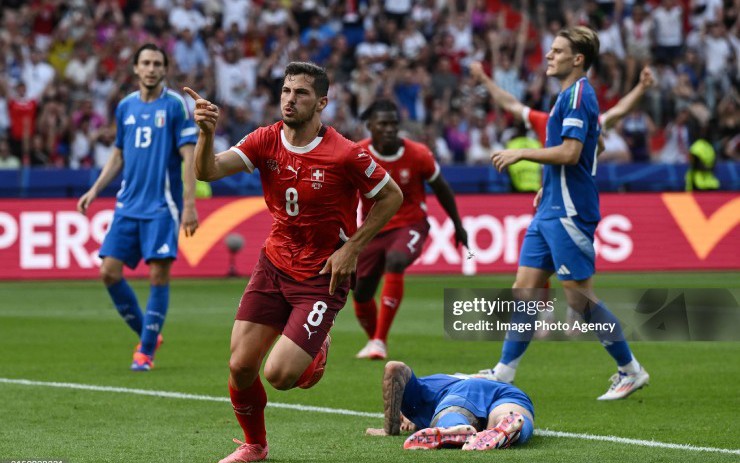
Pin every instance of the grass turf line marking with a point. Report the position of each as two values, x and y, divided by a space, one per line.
341 411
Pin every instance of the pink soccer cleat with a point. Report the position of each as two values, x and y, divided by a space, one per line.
142 362
500 437
437 438
319 364
246 452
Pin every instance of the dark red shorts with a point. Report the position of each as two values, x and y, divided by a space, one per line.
407 240
302 310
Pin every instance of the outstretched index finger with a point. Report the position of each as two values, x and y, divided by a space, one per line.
193 94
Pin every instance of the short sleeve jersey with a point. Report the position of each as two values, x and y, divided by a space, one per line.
570 190
150 134
311 192
422 395
410 166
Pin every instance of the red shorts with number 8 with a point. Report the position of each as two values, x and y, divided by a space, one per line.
302 310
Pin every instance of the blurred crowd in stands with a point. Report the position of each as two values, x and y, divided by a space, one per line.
64 65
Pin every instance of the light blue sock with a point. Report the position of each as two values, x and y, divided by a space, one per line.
613 341
451 419
127 305
156 311
516 342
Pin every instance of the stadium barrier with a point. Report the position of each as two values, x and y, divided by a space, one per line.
48 239
72 183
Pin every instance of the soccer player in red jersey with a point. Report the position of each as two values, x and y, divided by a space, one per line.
400 242
310 177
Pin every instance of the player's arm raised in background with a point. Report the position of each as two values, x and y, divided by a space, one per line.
627 103
207 165
395 378
111 169
343 262
446 198
504 99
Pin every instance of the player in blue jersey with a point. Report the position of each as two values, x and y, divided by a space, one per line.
560 238
155 135
453 411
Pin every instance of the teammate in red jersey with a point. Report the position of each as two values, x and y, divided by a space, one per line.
310 177
400 242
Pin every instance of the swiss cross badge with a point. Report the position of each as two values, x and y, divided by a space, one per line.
317 175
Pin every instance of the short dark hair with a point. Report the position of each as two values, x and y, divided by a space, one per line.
582 40
379 105
320 82
153 47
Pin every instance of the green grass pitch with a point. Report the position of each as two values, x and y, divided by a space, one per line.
68 332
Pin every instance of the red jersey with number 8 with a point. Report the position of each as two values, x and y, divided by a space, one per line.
311 192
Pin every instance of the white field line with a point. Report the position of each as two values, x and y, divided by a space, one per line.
340 411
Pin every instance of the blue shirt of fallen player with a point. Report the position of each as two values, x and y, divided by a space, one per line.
424 397
570 190
150 134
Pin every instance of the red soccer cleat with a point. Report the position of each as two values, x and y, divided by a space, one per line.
318 364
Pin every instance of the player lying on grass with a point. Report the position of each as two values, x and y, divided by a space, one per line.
453 411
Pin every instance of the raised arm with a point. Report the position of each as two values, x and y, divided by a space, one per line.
209 166
500 96
630 100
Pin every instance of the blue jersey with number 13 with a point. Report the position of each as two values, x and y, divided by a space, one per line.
150 135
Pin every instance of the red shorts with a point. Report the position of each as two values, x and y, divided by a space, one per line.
408 240
302 310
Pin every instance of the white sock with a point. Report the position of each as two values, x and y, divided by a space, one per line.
631 368
505 373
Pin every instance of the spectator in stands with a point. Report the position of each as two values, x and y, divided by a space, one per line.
668 18
81 68
729 125
236 12
436 38
190 54
638 36
186 16
7 160
102 149
676 148
22 111
374 52
616 150
637 130
717 51
37 74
